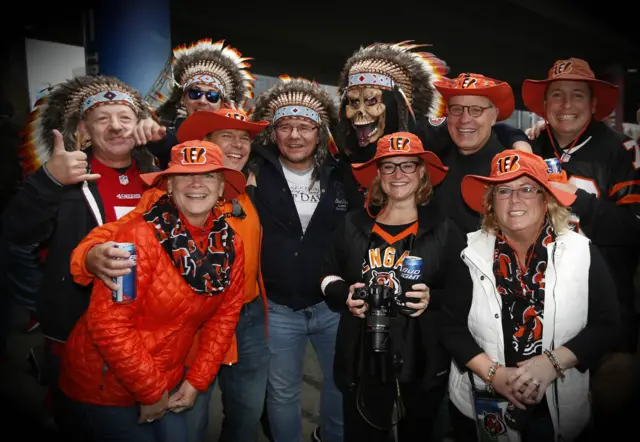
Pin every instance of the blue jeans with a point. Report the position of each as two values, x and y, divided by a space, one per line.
99 423
289 333
243 384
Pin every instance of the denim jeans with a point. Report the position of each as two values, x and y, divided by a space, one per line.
96 423
289 333
243 384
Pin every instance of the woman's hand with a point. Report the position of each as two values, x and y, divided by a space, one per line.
357 307
422 294
184 398
500 385
149 413
531 379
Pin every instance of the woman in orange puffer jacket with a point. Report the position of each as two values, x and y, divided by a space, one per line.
124 363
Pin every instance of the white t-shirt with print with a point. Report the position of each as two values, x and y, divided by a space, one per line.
305 198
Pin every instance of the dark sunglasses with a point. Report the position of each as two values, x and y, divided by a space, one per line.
211 96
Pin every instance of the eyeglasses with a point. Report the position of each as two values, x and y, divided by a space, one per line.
211 96
523 192
390 168
303 129
475 111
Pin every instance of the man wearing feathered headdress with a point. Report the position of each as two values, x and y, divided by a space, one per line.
90 175
205 76
300 199
390 87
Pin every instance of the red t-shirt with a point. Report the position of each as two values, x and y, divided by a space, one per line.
120 193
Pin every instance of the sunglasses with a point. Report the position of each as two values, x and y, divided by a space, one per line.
211 96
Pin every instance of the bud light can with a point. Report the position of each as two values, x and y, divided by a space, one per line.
411 269
410 274
553 165
126 291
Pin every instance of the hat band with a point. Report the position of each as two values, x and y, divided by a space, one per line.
296 111
370 79
207 79
111 97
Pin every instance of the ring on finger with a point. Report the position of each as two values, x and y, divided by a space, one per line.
150 420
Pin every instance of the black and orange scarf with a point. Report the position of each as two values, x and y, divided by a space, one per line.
522 288
208 274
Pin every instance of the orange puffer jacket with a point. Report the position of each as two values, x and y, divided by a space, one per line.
120 355
249 229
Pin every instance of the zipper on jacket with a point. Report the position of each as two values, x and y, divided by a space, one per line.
103 373
553 346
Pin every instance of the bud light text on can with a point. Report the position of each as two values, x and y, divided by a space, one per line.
411 268
126 292
553 165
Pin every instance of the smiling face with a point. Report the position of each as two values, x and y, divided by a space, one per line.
403 182
569 106
297 139
110 129
522 212
200 103
468 133
235 145
195 195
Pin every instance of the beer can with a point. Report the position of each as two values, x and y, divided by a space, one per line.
126 291
411 269
553 165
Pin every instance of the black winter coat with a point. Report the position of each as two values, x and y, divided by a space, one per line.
439 243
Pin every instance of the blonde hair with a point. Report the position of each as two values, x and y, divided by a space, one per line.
377 197
558 214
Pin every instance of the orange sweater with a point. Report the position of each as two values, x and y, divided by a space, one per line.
248 229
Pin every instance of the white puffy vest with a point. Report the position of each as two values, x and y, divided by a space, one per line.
565 315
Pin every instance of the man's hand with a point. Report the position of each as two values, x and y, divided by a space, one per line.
184 398
106 261
68 167
149 413
148 130
534 131
567 187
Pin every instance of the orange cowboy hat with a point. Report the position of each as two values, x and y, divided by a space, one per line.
197 125
508 166
573 69
193 157
499 92
394 145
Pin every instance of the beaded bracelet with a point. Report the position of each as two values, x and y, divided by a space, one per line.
492 374
555 363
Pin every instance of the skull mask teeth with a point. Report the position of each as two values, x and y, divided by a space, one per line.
366 111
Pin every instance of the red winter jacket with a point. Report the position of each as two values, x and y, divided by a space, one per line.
120 355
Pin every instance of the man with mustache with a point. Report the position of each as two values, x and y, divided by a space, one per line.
83 137
243 376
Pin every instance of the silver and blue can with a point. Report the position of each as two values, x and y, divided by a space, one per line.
411 268
553 165
126 291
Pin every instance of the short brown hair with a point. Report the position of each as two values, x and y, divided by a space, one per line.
377 197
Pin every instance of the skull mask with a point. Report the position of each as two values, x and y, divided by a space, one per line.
366 111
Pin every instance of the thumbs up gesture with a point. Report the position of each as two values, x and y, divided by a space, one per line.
68 167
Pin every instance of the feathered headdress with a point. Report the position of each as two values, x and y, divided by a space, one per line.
298 98
205 62
63 108
389 65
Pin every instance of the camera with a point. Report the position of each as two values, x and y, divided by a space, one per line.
380 313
